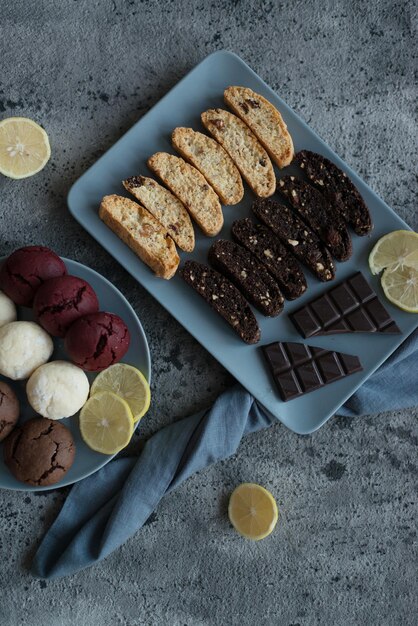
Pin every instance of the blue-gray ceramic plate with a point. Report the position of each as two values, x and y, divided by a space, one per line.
86 460
202 89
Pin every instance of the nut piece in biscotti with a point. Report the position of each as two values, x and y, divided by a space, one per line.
188 184
208 156
248 274
320 214
268 249
244 149
165 207
296 236
40 452
335 183
224 298
264 120
142 233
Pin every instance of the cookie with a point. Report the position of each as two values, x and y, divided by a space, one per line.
319 213
191 188
332 181
224 298
264 120
268 249
40 452
208 156
244 149
142 233
165 207
296 236
9 410
248 274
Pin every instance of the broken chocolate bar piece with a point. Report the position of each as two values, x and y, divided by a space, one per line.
268 249
320 214
350 307
296 236
338 187
298 369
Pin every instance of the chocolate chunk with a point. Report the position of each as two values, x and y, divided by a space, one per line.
224 298
319 212
350 307
339 188
248 274
268 249
296 236
298 369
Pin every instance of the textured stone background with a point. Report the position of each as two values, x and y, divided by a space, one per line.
345 551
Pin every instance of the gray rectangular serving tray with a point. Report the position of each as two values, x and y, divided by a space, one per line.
202 89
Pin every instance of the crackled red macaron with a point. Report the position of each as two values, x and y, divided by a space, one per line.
26 269
96 341
61 301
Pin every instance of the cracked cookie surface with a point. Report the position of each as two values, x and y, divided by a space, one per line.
9 410
40 452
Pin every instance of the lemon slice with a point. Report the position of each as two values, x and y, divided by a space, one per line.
128 383
24 147
401 288
106 423
252 511
394 250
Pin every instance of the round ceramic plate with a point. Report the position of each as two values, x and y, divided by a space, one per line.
86 460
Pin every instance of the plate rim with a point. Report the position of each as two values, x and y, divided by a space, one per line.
107 459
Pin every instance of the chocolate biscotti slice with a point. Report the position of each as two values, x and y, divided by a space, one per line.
165 207
208 156
244 149
191 188
142 233
296 236
264 120
320 214
331 180
248 274
224 298
268 249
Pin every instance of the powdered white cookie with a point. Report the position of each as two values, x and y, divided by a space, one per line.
188 184
208 156
165 207
264 120
244 149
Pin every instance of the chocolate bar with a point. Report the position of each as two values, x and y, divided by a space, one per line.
298 369
350 307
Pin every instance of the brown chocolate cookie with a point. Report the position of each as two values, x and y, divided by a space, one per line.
9 410
40 452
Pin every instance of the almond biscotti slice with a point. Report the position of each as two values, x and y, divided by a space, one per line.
244 149
165 207
191 188
264 120
142 233
208 156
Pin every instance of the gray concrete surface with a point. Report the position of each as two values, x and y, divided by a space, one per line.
345 551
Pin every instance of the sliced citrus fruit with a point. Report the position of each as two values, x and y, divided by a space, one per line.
394 250
401 288
106 423
24 147
252 511
128 383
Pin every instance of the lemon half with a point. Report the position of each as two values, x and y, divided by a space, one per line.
24 147
253 511
128 383
106 423
395 250
401 287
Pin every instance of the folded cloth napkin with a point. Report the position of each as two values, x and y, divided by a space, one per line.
104 510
